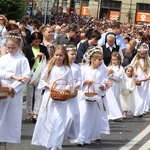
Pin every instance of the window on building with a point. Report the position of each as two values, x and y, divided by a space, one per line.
143 7
85 2
111 4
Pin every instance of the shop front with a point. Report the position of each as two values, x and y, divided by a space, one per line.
110 9
142 13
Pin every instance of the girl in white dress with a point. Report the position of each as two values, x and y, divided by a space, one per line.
14 73
91 108
51 123
73 120
127 97
141 63
116 76
131 102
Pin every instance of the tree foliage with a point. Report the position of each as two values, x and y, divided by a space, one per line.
129 15
12 9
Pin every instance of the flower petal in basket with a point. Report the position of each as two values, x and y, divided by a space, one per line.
94 98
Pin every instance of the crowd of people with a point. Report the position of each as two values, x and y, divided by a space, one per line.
97 71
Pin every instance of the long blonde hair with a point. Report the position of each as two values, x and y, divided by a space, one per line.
51 62
129 66
5 19
136 61
133 75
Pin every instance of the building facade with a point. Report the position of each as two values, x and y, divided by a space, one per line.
133 11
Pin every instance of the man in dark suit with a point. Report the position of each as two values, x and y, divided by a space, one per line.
68 38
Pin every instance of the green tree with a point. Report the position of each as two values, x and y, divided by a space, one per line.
129 15
12 9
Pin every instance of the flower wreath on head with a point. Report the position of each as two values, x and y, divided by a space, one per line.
94 50
70 48
142 49
117 55
13 36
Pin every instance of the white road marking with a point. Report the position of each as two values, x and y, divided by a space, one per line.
146 146
136 139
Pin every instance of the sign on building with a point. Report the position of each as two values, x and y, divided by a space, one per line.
142 17
85 11
114 15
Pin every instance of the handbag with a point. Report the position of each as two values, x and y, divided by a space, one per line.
37 73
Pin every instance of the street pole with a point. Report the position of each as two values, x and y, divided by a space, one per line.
46 11
98 9
130 16
81 7
31 9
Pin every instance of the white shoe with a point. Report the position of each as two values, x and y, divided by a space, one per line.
54 148
72 141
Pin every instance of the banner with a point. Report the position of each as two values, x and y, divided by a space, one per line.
142 17
85 11
114 15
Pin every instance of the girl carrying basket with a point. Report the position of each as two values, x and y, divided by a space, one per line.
50 127
92 101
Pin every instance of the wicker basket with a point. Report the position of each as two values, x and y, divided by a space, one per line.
73 94
92 93
4 92
59 94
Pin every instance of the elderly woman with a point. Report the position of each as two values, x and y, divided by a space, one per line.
110 47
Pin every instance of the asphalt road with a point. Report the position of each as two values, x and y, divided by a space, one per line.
133 134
